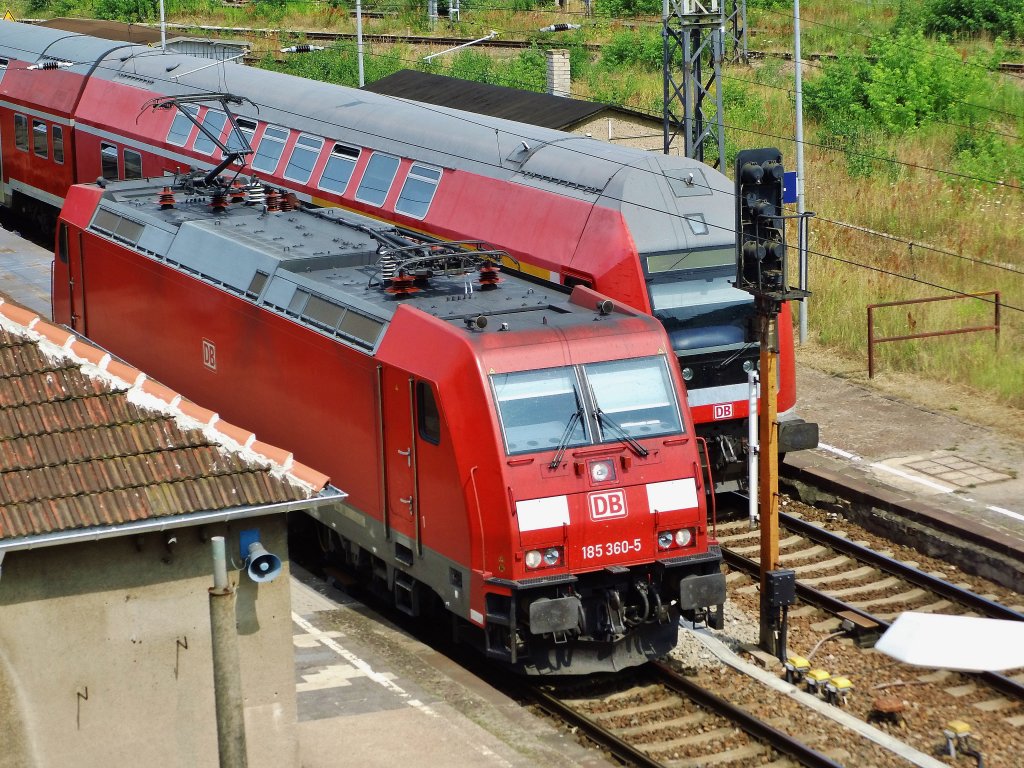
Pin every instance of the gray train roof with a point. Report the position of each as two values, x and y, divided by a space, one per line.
319 268
654 192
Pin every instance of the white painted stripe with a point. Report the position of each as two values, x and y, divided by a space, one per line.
717 395
22 109
476 616
39 194
920 480
381 679
908 476
672 495
537 514
1007 512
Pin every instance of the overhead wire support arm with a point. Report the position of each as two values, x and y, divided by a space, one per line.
224 99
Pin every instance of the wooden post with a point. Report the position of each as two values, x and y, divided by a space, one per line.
768 472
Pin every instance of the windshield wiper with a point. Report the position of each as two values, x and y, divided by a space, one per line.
604 418
566 437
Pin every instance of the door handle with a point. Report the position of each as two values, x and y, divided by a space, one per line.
408 455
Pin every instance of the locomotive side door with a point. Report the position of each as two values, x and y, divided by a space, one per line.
398 427
69 251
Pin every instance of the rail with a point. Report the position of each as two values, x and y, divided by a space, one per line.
873 339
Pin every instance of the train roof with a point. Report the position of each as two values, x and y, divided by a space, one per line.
326 268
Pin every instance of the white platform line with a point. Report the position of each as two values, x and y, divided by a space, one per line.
381 679
913 478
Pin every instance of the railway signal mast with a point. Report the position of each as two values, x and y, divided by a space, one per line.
761 271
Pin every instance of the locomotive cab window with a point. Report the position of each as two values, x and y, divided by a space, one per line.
304 155
540 409
181 126
587 404
268 153
339 168
40 142
21 132
428 418
418 190
377 178
58 144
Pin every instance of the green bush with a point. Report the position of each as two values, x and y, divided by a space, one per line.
643 48
619 8
125 10
960 18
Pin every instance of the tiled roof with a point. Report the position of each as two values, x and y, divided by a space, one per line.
86 441
541 109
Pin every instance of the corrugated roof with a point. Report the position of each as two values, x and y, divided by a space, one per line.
88 441
539 109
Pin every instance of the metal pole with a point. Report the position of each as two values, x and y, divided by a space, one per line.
227 674
359 39
802 230
752 448
163 28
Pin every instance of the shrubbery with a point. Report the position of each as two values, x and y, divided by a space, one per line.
957 18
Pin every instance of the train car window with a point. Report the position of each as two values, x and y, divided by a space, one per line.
214 122
538 408
132 164
242 134
377 178
108 158
304 155
40 138
428 418
339 168
418 190
3 67
58 144
635 397
268 153
698 225
21 132
181 126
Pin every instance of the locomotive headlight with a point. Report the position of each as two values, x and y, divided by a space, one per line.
687 374
683 537
748 366
665 539
602 471
533 558
552 556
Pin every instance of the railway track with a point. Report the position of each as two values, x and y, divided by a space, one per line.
659 717
848 594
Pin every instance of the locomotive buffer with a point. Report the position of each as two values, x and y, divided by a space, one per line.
761 271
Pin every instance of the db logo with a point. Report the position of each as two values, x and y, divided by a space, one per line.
723 411
607 504
209 355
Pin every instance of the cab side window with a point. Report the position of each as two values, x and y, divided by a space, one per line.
428 418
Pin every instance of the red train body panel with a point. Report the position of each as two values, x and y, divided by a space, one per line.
522 457
648 230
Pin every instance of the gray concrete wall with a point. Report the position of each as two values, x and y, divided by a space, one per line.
105 653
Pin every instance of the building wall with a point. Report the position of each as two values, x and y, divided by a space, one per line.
105 656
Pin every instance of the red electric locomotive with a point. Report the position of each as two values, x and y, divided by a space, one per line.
652 231
521 456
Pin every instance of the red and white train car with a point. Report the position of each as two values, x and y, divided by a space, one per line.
516 455
652 231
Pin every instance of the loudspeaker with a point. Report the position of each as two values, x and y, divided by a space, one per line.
262 565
